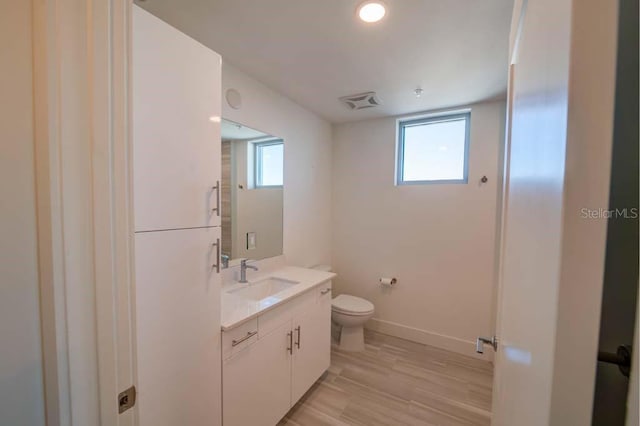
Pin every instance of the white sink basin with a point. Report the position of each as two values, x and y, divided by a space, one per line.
263 289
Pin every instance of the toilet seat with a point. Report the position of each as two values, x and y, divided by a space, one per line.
351 305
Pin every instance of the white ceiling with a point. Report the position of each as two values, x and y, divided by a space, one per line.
234 131
317 51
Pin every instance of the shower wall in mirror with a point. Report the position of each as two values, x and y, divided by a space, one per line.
252 190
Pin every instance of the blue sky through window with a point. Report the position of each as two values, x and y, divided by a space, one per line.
434 151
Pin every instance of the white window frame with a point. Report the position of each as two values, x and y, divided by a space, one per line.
429 119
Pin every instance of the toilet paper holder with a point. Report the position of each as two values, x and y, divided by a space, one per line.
387 281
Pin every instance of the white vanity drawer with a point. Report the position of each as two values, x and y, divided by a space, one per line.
233 341
324 291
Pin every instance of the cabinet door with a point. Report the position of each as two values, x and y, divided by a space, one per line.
257 381
178 328
312 344
176 127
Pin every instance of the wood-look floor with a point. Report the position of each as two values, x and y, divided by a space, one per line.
397 382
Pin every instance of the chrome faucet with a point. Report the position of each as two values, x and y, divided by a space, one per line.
243 270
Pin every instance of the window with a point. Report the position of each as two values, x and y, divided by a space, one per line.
433 150
269 162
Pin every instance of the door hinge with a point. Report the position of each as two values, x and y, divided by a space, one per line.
126 399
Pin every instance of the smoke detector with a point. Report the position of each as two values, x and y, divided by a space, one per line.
361 101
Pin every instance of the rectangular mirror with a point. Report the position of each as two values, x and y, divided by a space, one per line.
252 189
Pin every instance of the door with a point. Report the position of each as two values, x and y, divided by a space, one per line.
176 127
312 344
178 327
257 381
531 240
551 260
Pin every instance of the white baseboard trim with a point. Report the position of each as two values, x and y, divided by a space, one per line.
425 337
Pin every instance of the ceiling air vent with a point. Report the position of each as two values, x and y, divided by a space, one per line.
361 101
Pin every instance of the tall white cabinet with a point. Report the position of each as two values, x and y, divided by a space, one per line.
176 128
176 167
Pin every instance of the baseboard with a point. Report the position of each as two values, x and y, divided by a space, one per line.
441 341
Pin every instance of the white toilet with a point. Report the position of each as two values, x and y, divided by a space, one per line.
351 312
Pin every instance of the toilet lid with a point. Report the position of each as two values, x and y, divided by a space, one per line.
351 304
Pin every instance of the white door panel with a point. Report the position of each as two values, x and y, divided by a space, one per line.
533 216
257 381
312 344
176 127
178 328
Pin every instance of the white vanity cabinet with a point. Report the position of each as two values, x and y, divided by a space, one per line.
291 350
256 381
176 128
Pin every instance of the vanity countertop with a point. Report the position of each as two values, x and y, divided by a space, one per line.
236 310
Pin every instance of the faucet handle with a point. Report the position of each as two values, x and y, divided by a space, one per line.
244 264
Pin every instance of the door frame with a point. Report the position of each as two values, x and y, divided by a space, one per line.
519 9
81 51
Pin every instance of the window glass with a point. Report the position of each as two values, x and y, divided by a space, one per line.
433 150
269 157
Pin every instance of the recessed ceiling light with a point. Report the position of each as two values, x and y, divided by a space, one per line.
371 11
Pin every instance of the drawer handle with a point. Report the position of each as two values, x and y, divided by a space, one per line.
323 292
216 266
290 347
249 335
217 189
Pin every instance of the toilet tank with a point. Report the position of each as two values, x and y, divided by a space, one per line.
325 268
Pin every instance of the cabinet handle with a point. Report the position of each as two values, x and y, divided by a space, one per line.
323 292
217 189
298 337
216 265
249 335
290 336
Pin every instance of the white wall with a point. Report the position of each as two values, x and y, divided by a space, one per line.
438 240
307 169
21 387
